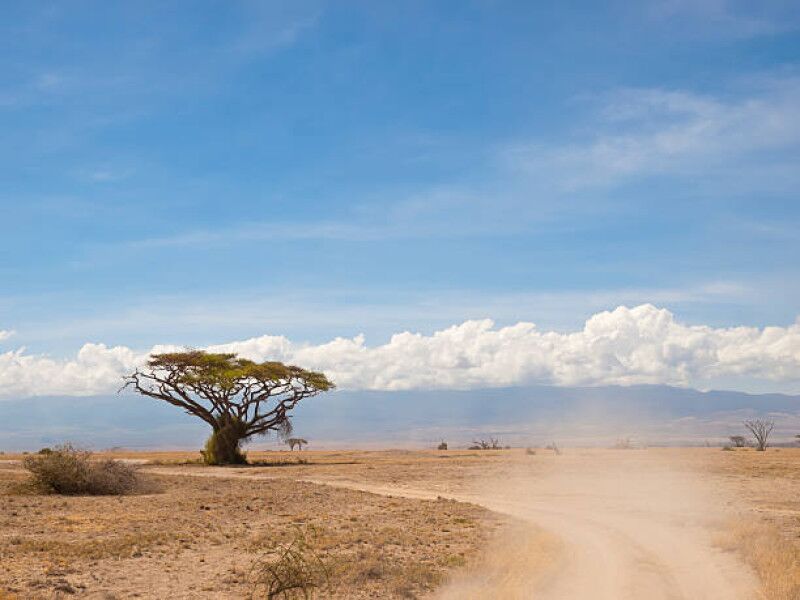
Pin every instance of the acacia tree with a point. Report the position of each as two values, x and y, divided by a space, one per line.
238 398
761 429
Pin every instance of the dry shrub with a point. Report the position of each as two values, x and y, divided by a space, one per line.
290 570
70 471
775 559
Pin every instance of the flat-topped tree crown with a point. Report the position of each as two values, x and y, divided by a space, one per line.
237 397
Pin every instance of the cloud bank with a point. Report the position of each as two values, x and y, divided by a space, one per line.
626 346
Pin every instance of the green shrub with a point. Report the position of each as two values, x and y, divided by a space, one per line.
70 471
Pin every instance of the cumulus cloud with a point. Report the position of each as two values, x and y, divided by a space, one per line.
96 369
5 334
640 345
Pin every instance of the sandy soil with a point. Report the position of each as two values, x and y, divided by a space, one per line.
598 524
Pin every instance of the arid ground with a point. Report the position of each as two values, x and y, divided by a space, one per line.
603 524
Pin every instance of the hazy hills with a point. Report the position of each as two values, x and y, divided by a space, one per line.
519 416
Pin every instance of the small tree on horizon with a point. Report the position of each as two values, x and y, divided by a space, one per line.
739 441
238 398
761 430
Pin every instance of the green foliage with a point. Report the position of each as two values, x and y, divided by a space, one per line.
226 371
70 471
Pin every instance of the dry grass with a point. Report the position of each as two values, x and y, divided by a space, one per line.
775 559
511 563
201 538
768 536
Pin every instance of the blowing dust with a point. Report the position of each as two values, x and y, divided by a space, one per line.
605 525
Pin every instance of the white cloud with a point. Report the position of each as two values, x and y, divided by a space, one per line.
625 346
5 334
95 370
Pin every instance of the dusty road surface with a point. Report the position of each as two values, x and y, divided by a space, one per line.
615 525
630 526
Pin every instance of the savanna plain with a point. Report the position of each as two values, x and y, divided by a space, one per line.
517 523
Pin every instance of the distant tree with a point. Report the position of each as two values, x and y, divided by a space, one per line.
738 441
491 444
442 446
761 430
299 442
236 397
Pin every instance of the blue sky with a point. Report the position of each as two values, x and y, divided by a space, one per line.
195 173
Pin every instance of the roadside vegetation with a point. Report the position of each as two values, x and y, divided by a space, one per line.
774 558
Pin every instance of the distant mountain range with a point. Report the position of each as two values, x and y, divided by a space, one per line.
531 415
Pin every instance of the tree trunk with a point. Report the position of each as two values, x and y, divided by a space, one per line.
223 447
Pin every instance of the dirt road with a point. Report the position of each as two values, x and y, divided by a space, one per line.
628 525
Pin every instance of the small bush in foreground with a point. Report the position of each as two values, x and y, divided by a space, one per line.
70 471
288 571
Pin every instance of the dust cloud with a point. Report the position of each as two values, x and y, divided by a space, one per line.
605 525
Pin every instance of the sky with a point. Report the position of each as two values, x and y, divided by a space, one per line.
406 194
